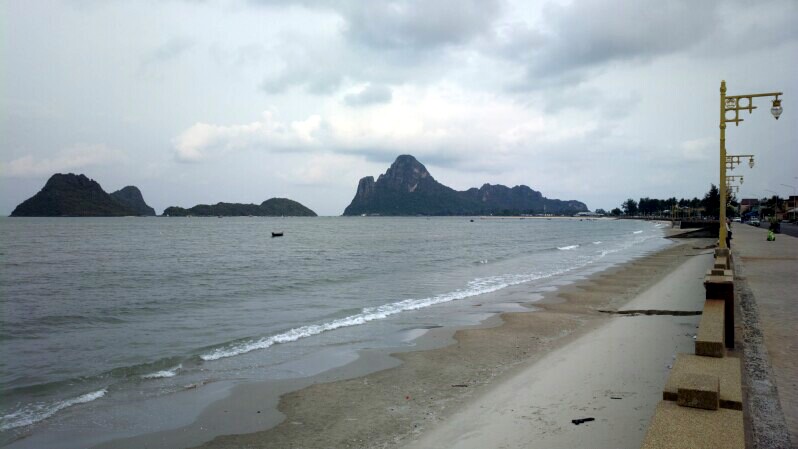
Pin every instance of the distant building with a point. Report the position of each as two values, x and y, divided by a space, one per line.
748 204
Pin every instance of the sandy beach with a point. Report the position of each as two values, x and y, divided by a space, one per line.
518 380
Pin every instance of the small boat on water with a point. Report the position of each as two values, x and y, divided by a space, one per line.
277 234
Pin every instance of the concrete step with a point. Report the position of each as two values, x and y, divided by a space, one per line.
699 391
709 342
674 427
722 287
726 369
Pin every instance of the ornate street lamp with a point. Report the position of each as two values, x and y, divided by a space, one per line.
733 160
736 103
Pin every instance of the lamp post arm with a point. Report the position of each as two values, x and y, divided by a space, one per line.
769 94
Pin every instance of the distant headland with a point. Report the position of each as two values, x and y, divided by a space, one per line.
407 188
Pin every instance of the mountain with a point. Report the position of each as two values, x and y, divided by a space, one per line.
131 197
407 188
72 195
275 207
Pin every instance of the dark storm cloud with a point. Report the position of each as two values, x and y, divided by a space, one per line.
372 94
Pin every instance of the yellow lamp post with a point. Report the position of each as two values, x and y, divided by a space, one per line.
735 103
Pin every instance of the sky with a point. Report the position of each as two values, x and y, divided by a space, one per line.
199 101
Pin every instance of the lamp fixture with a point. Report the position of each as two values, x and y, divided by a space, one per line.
776 109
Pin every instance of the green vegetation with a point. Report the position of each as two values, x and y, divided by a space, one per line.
131 197
274 207
709 206
407 188
70 195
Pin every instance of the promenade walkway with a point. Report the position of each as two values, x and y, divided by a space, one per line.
770 272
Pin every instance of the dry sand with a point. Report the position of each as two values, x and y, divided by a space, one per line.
518 381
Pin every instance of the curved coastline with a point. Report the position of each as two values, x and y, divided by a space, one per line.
344 406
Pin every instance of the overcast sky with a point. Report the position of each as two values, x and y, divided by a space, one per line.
244 100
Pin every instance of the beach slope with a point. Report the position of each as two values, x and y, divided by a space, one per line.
521 379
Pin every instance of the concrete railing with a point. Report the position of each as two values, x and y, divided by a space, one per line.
702 399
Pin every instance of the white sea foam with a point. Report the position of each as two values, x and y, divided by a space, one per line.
597 243
172 372
476 287
33 413
637 232
566 248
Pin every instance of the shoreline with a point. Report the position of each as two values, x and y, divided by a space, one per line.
610 377
128 413
384 399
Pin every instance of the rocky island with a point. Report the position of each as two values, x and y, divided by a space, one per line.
274 207
71 195
407 188
131 197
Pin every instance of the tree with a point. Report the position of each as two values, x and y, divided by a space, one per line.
711 202
629 207
616 212
601 212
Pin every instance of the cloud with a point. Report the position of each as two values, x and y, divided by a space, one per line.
76 157
418 24
409 24
315 60
371 94
435 123
386 41
169 50
327 169
698 149
588 35
203 140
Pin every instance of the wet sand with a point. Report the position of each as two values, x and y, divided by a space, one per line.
441 393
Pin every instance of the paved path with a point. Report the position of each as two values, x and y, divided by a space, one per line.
789 229
771 273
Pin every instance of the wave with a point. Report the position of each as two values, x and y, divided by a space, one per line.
33 413
172 372
597 242
637 232
476 287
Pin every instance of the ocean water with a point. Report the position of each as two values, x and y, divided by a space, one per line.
123 310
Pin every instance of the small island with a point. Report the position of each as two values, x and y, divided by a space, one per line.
274 207
71 195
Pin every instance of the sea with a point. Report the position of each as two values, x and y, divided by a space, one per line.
100 316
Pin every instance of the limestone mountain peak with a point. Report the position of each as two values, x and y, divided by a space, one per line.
406 174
